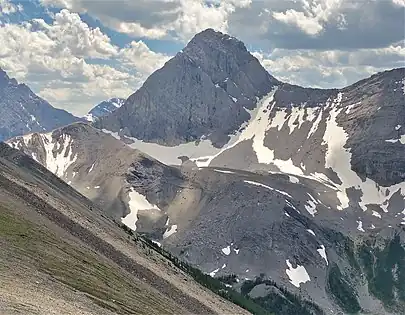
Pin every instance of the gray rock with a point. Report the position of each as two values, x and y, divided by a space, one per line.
21 111
203 90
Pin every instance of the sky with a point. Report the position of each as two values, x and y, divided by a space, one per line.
77 53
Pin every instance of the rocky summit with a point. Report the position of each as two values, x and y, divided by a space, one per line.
205 90
22 112
293 196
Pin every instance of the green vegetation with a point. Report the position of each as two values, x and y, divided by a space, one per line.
384 267
213 284
342 291
279 300
345 247
228 279
28 245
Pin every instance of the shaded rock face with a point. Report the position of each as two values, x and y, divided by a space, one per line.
375 128
21 111
202 91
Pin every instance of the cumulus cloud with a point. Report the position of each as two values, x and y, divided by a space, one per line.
138 55
156 19
6 7
330 68
69 32
61 61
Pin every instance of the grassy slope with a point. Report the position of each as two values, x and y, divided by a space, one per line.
38 248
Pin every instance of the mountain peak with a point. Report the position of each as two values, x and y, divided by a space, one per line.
22 111
210 35
209 42
203 91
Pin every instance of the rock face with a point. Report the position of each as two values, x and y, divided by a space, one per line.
21 111
203 91
104 108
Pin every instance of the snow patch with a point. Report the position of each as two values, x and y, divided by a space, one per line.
34 156
226 250
225 172
338 158
171 231
201 153
136 203
89 117
311 232
315 125
311 205
293 179
297 275
376 214
60 162
267 187
91 168
322 252
214 272
403 85
360 226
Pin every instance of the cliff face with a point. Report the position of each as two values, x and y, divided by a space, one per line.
202 91
21 111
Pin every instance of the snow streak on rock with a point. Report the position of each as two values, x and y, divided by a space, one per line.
322 253
59 156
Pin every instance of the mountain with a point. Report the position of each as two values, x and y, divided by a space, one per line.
61 255
104 108
205 90
233 222
284 190
22 112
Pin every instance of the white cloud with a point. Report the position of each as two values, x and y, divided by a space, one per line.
311 20
198 15
136 30
6 7
69 32
400 3
56 60
158 19
330 68
308 24
139 55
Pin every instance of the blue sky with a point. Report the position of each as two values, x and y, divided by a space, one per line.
76 53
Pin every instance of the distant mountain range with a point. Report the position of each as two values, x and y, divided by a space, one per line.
104 108
292 195
22 111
